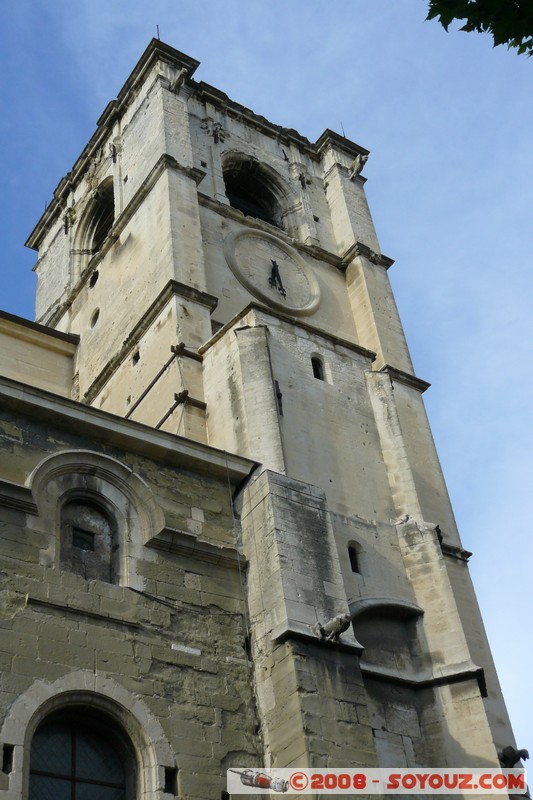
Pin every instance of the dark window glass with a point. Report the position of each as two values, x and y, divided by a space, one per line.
83 539
88 542
247 190
51 750
42 788
77 759
87 792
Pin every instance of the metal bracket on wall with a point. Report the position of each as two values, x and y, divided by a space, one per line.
177 350
182 397
182 350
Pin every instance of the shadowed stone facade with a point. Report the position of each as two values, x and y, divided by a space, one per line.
212 442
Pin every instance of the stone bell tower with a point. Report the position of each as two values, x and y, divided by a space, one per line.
223 284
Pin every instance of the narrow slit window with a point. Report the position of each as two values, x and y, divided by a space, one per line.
354 560
7 758
171 780
318 368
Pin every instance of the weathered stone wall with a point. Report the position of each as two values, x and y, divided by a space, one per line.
325 433
171 637
311 697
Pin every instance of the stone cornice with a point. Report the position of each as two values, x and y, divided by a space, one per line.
14 495
69 609
253 223
336 340
294 630
156 51
426 681
399 376
360 249
452 551
35 333
186 544
207 93
287 136
114 431
331 139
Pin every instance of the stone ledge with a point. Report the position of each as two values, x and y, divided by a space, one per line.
183 543
337 341
406 378
66 608
13 495
34 332
426 680
115 431
291 629
360 249
452 551
256 225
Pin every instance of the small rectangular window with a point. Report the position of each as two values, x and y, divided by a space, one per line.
7 758
84 540
171 780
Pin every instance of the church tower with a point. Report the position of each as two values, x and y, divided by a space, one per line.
227 536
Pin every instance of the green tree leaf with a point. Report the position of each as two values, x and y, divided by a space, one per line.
509 22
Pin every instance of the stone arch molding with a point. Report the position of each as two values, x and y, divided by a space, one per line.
234 158
82 251
153 751
286 196
84 474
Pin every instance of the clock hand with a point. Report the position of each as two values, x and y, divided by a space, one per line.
275 279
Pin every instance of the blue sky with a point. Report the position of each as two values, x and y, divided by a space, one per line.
448 121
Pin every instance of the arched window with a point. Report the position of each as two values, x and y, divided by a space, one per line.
79 754
81 488
250 190
89 544
102 216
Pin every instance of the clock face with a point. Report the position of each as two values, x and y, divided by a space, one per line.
272 271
